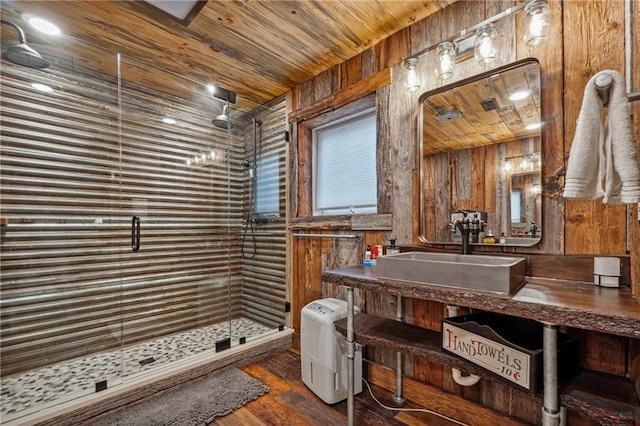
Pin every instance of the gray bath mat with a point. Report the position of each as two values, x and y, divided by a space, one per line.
194 404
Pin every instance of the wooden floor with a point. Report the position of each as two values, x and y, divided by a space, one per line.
290 402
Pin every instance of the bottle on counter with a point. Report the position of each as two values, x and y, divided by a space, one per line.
489 238
393 249
367 257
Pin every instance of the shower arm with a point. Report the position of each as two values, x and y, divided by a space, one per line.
21 36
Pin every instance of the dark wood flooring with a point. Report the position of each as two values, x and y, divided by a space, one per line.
290 402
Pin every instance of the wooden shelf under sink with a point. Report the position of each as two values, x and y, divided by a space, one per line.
606 398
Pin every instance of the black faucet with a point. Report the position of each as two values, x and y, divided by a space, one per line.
534 230
477 226
464 226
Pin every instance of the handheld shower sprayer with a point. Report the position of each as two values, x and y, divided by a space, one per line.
249 166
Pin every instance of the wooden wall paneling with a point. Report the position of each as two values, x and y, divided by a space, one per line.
633 367
369 63
461 15
440 401
303 187
509 400
443 187
550 56
590 226
384 153
351 94
292 171
425 33
401 146
428 196
479 183
351 71
488 177
393 49
464 183
502 201
305 94
326 83
634 226
526 406
602 352
429 315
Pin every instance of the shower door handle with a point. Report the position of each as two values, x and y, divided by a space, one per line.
135 233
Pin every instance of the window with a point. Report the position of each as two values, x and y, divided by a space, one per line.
344 157
268 186
516 200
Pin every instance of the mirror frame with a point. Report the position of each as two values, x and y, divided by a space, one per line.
420 147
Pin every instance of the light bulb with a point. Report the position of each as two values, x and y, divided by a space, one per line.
536 23
485 46
412 84
507 166
520 95
447 55
42 87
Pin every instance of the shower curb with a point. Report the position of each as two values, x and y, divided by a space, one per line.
83 411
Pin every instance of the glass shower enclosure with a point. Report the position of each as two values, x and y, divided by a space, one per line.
131 237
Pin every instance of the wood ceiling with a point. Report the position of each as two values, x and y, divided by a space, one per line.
258 49
487 115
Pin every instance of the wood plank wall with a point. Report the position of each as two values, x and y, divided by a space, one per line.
587 37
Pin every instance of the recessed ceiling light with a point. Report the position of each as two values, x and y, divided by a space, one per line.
41 25
520 95
533 126
169 120
42 87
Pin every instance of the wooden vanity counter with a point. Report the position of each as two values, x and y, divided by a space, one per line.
561 302
605 398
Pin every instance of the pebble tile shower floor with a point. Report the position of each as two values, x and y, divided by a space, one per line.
27 392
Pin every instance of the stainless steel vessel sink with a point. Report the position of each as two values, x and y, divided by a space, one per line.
473 272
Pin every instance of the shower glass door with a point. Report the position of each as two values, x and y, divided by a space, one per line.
181 198
60 236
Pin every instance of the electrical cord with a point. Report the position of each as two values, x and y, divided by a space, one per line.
423 410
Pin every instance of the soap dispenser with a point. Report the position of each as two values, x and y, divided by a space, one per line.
393 249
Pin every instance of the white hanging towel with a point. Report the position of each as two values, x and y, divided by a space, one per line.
604 153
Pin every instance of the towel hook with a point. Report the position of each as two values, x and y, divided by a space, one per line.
603 86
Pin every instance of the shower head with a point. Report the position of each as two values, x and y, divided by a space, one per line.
238 120
21 54
222 120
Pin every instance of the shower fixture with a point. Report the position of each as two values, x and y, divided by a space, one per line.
250 167
224 121
21 54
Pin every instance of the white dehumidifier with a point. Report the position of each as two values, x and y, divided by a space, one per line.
324 351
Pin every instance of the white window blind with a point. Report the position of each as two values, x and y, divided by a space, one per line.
516 202
268 186
345 178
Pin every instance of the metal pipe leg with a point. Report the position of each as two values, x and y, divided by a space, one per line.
398 398
551 408
350 358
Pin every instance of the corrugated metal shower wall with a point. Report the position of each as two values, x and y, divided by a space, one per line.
71 285
264 271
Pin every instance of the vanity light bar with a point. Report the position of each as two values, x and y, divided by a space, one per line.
469 32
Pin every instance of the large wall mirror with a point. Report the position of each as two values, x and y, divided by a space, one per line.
479 146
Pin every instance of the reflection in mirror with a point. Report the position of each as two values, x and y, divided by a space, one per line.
480 150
